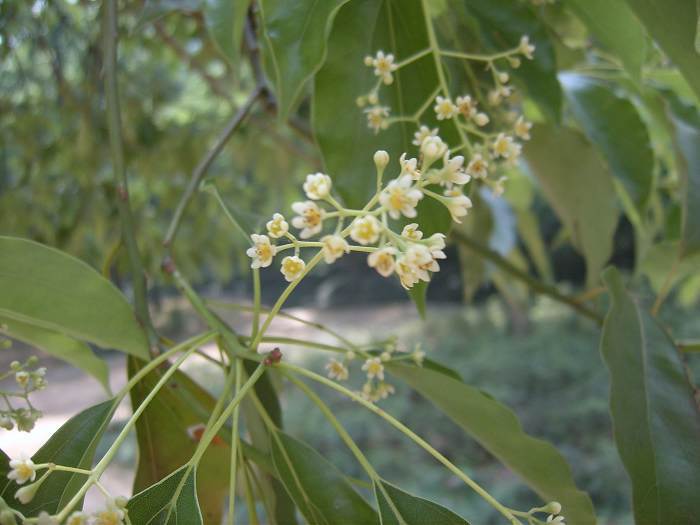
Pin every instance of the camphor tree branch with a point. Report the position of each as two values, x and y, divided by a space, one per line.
116 142
535 285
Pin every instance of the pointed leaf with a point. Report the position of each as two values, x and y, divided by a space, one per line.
397 507
613 124
498 430
58 345
170 501
320 491
655 417
225 20
296 33
165 444
581 193
72 445
45 287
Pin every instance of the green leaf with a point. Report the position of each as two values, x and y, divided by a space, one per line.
321 492
155 9
165 444
613 124
225 20
170 501
686 121
50 289
502 24
72 445
498 430
673 25
53 343
655 265
296 33
655 417
617 28
581 193
401 508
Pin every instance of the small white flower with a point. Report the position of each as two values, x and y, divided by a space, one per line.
384 390
292 267
383 65
337 370
377 117
409 167
365 230
400 197
555 520
78 518
418 356
411 232
317 186
385 356
498 187
334 246
457 204
383 261
436 245
494 97
261 252
374 368
478 167
504 146
309 219
22 470
22 379
445 108
423 133
451 172
111 515
503 77
432 149
46 519
522 128
414 264
466 106
526 48
277 227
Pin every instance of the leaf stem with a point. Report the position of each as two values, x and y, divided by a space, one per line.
234 447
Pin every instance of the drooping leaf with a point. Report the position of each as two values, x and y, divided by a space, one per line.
58 345
613 124
397 507
498 430
673 25
581 193
502 24
655 417
320 491
225 21
170 501
44 287
686 120
165 443
296 33
616 27
72 445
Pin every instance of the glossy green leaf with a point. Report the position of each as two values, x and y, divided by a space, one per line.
170 501
225 21
45 287
655 417
616 27
613 124
397 507
321 492
686 120
72 445
502 24
296 33
498 430
165 443
58 345
581 193
362 28
673 25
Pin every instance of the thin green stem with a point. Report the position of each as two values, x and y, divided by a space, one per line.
419 113
256 303
213 190
407 432
234 447
413 58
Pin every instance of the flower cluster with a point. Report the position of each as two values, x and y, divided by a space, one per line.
27 379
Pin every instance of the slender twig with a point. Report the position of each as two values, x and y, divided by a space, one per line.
203 166
116 143
534 284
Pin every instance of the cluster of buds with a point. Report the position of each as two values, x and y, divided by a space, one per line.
23 470
27 378
553 511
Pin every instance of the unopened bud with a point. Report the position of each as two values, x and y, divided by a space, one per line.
381 159
6 423
7 517
15 365
503 77
372 98
553 507
481 119
121 501
32 360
